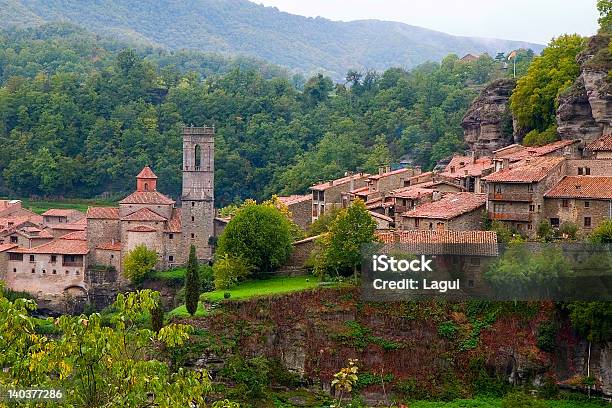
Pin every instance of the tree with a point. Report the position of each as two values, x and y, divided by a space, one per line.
603 233
192 282
98 364
545 231
341 246
228 271
259 234
138 262
605 15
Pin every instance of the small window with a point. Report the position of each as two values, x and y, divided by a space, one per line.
171 258
416 223
33 270
587 171
15 270
192 218
554 222
531 207
530 188
193 203
580 171
565 203
587 204
475 261
170 236
498 189
32 259
76 272
53 258
67 272
13 239
587 221
529 227
112 256
431 226
54 272
192 235
44 271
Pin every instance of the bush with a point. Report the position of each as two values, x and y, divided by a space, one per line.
447 330
568 230
546 339
250 376
545 231
521 400
228 271
138 263
535 138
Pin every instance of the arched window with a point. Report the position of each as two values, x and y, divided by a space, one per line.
146 186
198 157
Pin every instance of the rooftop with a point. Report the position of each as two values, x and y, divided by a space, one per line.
294 199
390 173
142 228
110 246
61 212
460 166
144 214
147 197
530 170
602 144
448 207
339 182
58 246
593 187
381 216
109 213
146 173
6 247
411 192
78 235
517 152
482 243
174 224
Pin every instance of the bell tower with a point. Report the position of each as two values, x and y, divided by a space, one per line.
197 213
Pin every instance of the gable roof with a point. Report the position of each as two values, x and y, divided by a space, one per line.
58 246
6 247
339 182
594 187
61 212
78 235
294 199
110 246
526 171
518 152
479 243
110 213
411 192
602 144
449 206
381 216
461 166
146 173
143 214
391 173
147 197
142 228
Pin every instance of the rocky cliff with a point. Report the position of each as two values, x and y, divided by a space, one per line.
585 109
487 125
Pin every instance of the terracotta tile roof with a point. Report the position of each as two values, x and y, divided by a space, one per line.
109 213
294 199
390 173
339 182
411 192
6 247
12 224
174 224
461 166
146 173
61 212
481 243
517 152
147 197
59 246
110 246
526 171
602 144
381 216
448 207
35 232
144 214
360 190
594 187
142 228
78 235
74 226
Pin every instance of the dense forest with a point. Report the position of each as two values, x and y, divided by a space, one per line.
79 116
310 45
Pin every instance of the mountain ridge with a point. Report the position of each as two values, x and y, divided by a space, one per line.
307 44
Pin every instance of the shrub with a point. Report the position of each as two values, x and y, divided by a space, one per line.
138 263
521 400
447 329
250 376
545 231
228 271
568 229
546 339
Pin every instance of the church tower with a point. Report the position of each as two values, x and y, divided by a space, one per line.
197 213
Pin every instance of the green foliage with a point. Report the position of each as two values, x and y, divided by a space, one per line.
605 15
545 231
258 234
359 337
537 138
447 329
341 246
533 101
321 224
504 233
250 376
192 282
592 319
229 271
568 229
521 400
138 263
546 337
603 233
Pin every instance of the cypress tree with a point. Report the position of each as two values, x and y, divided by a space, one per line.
157 318
192 282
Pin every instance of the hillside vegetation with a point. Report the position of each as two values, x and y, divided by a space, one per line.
243 27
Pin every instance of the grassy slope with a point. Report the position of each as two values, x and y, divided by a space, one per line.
40 206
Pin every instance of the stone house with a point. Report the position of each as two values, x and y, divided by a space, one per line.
454 211
601 148
328 195
300 207
468 172
30 237
55 216
585 201
387 180
516 193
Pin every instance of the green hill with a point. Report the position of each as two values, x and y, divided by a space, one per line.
243 27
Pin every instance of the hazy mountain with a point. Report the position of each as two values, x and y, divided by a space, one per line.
243 27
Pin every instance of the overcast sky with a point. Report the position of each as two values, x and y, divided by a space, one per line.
528 20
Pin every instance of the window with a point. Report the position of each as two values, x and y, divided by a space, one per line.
14 239
171 258
539 207
146 186
498 189
498 208
76 272
193 203
580 171
529 227
53 258
587 204
32 259
531 207
192 218
44 271
554 222
54 272
33 270
67 272
431 226
15 270
587 171
192 235
587 221
112 256
416 223
15 257
475 261
170 236
530 188
198 157
565 203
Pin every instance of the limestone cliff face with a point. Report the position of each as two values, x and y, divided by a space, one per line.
585 110
487 125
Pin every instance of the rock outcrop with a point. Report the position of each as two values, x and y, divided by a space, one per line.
487 125
585 110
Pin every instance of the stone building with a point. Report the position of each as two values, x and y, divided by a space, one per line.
328 195
61 216
601 148
454 211
300 207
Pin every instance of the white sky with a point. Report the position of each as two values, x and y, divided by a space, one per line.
527 20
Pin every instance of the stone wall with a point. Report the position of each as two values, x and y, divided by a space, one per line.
42 277
301 253
101 231
576 211
471 221
301 213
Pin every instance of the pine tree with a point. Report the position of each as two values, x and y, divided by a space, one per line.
192 282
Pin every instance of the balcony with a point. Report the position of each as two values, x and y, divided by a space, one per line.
526 197
73 264
509 216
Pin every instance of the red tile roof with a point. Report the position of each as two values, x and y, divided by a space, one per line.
339 182
448 207
78 235
74 226
603 143
482 243
174 224
110 246
463 166
593 187
58 246
294 199
35 232
61 212
390 173
381 216
526 171
411 192
104 213
147 197
6 247
142 228
518 152
146 173
144 214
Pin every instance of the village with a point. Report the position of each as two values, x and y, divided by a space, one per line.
56 254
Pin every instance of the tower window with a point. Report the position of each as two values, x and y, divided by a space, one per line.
193 203
171 258
146 186
192 218
198 157
15 270
192 235
170 236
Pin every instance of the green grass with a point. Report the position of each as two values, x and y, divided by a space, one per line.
181 311
264 287
40 206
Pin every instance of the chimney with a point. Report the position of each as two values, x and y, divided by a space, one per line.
381 170
473 157
352 184
505 164
387 169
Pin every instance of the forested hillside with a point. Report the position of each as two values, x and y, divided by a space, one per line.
243 27
80 118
